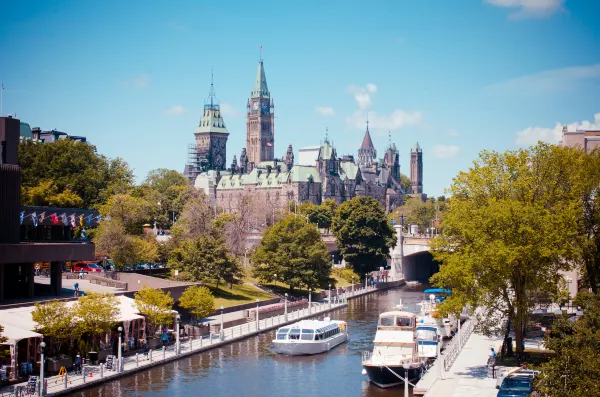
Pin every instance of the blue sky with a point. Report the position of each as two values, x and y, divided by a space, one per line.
132 76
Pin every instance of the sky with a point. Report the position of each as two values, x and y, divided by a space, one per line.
456 76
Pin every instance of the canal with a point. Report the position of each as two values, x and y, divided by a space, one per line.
251 368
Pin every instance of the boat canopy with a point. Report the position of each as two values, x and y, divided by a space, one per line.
437 291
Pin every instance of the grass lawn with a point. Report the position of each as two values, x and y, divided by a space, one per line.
282 288
238 295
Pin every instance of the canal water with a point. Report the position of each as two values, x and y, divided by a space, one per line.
251 368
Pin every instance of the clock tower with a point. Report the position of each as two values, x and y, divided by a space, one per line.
211 136
260 131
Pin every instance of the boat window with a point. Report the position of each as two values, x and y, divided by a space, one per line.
308 331
319 336
294 334
426 335
307 337
386 321
402 322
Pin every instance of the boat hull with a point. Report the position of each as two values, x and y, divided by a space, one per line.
381 376
302 348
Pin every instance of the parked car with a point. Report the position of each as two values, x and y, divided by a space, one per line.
87 267
516 385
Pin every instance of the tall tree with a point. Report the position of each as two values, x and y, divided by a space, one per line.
508 232
113 241
198 300
156 306
293 250
364 235
72 165
131 211
574 369
195 220
322 215
55 320
96 313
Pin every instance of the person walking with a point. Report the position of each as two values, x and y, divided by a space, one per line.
76 286
145 348
165 338
77 364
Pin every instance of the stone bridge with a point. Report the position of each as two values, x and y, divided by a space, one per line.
410 260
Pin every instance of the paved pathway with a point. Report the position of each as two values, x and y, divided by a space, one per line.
468 374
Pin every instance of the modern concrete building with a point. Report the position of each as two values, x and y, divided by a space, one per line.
32 234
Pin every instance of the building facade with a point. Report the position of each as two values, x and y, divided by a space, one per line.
416 170
319 174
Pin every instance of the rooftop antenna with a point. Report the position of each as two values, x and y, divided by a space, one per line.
326 134
367 121
211 94
260 55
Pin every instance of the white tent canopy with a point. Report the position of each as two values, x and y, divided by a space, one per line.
15 334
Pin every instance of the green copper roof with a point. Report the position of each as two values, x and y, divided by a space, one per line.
301 173
350 169
212 121
260 84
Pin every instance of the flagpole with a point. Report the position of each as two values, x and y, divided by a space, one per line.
1 92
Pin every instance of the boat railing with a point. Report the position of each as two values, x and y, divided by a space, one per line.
458 342
395 328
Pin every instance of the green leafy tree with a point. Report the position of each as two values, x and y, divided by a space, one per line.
364 235
96 313
198 300
113 241
322 215
574 369
405 183
206 259
131 211
195 220
156 306
72 165
293 250
4 353
65 199
421 213
164 187
55 320
508 232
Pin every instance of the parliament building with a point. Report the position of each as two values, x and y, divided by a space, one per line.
316 175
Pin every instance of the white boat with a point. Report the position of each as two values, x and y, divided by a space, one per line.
446 325
394 348
310 337
428 337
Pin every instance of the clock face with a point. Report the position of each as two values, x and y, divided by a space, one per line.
255 105
264 106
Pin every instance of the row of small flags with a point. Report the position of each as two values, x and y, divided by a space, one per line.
65 219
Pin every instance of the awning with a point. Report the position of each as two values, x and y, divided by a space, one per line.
15 334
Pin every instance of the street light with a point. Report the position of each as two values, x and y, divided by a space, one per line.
275 277
352 285
222 333
177 334
257 323
42 390
329 295
309 299
569 281
285 307
406 367
332 260
120 329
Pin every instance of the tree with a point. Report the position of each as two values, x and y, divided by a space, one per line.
156 306
508 232
293 250
198 300
164 187
364 235
421 213
54 320
322 215
112 241
4 353
574 369
206 259
195 220
405 183
96 313
131 211
75 166
65 199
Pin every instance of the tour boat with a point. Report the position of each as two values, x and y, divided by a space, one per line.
310 337
447 325
395 348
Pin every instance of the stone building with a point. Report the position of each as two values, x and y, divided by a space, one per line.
319 173
585 139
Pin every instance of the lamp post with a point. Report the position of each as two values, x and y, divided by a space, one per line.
42 390
332 260
309 299
569 281
257 320
245 259
352 285
285 307
329 295
366 280
119 358
222 333
406 367
275 278
177 334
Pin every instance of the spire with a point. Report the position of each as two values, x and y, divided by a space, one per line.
260 84
367 143
326 134
416 148
390 138
212 98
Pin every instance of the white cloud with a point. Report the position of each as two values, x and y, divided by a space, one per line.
139 81
175 110
550 80
228 111
362 95
397 119
531 135
452 133
529 8
325 110
445 151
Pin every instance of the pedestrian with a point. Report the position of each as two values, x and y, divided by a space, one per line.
76 286
37 269
81 274
165 338
77 364
492 357
145 348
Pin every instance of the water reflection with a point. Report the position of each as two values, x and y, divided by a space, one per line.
251 367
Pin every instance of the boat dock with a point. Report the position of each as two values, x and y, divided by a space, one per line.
462 368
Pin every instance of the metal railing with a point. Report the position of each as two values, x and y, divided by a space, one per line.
453 351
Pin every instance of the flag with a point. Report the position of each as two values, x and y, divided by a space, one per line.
89 219
54 219
34 218
73 221
81 220
65 219
261 47
22 216
269 144
42 216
